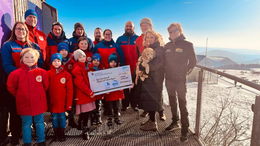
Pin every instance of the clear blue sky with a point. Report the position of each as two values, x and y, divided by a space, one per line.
227 23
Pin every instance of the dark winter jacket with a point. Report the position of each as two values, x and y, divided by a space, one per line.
180 59
151 90
73 44
52 44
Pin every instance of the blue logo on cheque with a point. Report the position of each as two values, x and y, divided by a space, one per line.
115 83
107 85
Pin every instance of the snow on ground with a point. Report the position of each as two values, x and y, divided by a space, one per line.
240 99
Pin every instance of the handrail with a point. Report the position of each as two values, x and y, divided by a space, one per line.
237 79
255 141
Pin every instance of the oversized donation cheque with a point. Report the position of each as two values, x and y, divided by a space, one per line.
108 80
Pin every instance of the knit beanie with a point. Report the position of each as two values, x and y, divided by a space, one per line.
57 23
96 56
76 25
78 53
112 57
56 56
147 21
30 12
62 46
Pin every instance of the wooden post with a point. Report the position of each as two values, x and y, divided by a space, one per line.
198 109
255 137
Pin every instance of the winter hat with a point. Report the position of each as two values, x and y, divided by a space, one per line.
96 56
56 56
78 53
63 45
76 25
112 57
30 12
57 23
147 21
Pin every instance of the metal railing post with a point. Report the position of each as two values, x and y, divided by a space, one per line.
255 136
198 109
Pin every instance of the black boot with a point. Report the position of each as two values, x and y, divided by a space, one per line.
184 134
109 122
116 115
85 133
118 121
99 121
85 136
56 134
62 136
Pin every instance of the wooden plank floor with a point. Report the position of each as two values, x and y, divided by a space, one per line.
128 134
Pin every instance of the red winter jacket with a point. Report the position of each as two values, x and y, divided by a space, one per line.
139 43
116 95
88 56
81 84
29 86
60 90
128 45
68 63
38 37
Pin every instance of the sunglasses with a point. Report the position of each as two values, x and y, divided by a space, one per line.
20 29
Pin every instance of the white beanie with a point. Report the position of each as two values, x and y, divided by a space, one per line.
78 53
147 21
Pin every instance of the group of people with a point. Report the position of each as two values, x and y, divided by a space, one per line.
42 73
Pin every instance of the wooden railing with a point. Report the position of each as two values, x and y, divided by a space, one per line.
255 136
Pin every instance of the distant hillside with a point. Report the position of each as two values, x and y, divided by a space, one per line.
255 61
214 61
238 57
240 66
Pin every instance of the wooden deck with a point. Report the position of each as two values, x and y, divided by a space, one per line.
128 134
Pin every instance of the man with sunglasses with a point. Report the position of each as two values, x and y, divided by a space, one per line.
180 59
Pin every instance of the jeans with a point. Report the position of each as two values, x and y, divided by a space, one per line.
38 121
58 120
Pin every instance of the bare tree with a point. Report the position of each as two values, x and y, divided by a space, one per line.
226 126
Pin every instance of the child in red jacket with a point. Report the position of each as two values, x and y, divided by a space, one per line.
68 62
67 58
83 44
85 101
60 96
29 85
95 66
113 98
